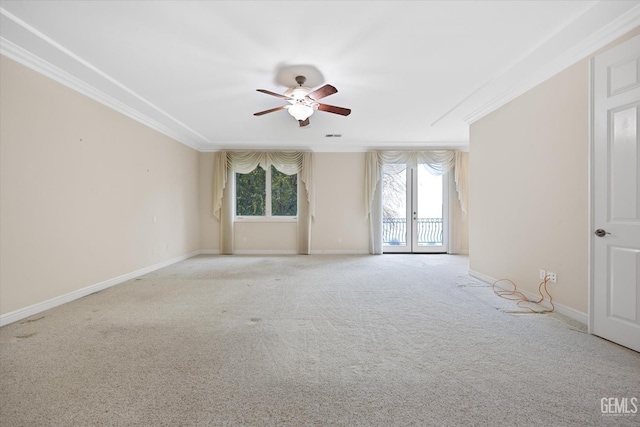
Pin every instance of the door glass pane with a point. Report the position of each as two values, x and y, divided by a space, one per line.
429 213
394 208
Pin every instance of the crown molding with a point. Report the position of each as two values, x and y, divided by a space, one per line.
12 50
588 46
347 147
29 60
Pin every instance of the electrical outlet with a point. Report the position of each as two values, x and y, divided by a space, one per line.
553 278
543 274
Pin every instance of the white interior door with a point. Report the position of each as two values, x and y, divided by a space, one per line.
615 254
415 210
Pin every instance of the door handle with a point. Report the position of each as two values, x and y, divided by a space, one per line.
601 233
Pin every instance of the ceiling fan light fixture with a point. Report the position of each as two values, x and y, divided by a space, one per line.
300 111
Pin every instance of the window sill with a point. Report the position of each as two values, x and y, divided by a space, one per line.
290 219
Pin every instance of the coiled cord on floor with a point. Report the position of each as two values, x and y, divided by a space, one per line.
520 298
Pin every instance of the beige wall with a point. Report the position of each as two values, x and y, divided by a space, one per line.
339 224
80 185
265 237
529 188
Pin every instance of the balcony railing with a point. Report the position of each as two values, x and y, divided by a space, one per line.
394 231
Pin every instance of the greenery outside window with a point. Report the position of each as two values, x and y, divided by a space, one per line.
266 194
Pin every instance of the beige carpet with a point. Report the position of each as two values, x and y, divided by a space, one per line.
307 340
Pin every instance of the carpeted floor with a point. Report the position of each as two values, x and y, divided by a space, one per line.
308 340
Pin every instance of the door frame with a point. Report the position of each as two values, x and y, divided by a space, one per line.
591 197
411 202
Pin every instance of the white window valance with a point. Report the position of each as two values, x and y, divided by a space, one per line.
288 163
437 162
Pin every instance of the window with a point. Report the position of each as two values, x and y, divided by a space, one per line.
266 193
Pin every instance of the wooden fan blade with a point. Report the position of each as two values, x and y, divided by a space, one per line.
320 93
304 122
277 95
334 110
270 111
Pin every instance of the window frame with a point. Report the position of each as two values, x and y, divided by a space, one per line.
267 217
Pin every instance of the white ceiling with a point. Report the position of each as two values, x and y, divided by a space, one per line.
415 73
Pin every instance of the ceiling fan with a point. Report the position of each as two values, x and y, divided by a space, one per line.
304 101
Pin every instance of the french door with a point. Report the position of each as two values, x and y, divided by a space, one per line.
414 209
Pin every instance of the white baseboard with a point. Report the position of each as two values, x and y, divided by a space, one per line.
340 252
286 252
209 252
31 310
292 252
264 252
559 308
